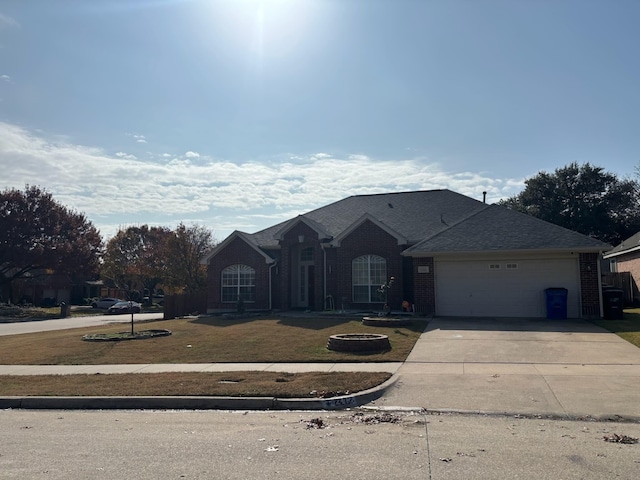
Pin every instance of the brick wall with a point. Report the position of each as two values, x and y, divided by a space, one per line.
631 263
368 239
290 250
237 252
424 286
589 286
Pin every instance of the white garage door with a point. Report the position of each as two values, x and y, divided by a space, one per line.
504 288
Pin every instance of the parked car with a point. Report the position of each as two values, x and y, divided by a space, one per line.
159 299
124 307
105 302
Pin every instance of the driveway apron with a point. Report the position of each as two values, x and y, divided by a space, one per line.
566 368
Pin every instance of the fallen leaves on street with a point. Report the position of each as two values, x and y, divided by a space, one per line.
615 438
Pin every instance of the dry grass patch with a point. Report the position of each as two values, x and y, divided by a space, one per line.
249 384
208 340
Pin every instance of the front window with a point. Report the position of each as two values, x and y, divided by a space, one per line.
238 281
368 273
306 255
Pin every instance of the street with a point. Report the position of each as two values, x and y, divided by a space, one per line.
18 327
310 445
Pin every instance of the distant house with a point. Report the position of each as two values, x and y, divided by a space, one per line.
625 258
43 288
450 255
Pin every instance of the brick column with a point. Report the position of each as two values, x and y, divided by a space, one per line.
424 287
589 285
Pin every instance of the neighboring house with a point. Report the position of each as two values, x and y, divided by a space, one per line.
626 258
450 255
44 288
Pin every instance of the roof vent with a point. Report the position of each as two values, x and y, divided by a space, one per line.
390 205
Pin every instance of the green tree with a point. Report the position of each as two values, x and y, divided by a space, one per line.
186 248
583 198
39 235
136 258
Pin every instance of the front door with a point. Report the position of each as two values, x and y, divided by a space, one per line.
303 280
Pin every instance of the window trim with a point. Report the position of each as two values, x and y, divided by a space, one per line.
372 281
239 271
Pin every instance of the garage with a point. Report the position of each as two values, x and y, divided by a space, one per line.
510 287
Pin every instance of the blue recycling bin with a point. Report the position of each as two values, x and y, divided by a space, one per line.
556 303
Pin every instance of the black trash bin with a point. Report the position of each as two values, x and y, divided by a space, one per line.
65 310
613 303
556 303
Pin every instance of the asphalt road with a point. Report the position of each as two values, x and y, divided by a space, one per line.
286 445
15 328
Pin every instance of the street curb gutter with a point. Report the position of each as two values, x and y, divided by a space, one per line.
196 403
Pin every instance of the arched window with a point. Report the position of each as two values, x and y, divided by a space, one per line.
238 281
368 272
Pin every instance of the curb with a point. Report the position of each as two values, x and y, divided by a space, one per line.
196 403
616 418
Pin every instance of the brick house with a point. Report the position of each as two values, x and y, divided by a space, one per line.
450 255
625 258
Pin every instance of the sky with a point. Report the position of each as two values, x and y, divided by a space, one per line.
240 114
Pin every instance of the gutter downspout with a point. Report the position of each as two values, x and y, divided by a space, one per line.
324 276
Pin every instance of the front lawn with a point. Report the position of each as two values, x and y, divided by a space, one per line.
208 340
627 328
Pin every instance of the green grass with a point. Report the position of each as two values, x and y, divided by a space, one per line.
627 328
207 340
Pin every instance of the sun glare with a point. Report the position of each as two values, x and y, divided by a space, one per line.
264 29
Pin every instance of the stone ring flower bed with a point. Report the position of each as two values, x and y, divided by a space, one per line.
120 336
359 342
385 321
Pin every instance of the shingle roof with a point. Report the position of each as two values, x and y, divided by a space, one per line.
414 215
630 244
498 228
443 221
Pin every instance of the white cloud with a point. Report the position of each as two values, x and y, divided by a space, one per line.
7 21
122 189
6 78
138 138
127 156
191 154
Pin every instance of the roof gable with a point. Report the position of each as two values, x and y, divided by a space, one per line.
366 217
315 226
631 244
245 237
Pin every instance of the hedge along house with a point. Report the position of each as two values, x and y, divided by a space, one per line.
450 255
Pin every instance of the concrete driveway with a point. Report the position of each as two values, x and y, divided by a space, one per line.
520 366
